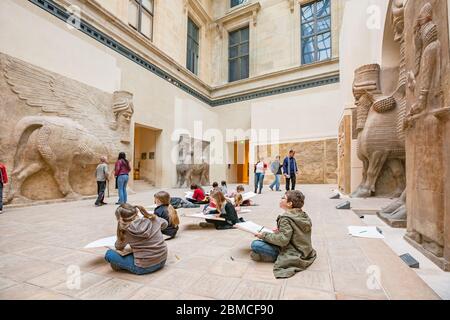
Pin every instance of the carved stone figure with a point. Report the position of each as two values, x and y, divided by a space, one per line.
395 213
380 141
182 174
62 125
427 136
199 174
192 164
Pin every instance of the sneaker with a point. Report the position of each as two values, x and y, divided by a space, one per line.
1 211
271 188
259 257
118 203
115 268
255 256
98 205
104 203
204 225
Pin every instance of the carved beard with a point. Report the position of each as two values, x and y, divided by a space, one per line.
123 130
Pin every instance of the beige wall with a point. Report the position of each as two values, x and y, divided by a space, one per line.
46 42
27 33
274 39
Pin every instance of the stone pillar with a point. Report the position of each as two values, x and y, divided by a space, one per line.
428 133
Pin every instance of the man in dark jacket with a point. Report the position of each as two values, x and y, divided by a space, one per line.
290 170
3 181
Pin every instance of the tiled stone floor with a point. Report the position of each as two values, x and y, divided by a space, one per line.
40 245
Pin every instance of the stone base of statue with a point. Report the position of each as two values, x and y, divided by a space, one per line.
439 261
392 222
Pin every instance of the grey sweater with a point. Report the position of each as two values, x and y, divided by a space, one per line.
146 240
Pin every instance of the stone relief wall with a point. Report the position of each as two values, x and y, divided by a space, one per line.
344 154
193 162
54 130
427 129
317 160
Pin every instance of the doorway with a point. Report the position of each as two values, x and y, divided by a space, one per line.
145 147
238 169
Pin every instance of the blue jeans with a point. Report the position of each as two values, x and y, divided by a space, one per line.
127 263
276 182
259 180
265 249
122 182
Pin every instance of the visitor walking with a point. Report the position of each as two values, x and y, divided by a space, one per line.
122 168
275 167
3 181
260 171
290 170
102 175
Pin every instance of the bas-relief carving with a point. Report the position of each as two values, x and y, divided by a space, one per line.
193 162
58 126
427 130
317 160
344 155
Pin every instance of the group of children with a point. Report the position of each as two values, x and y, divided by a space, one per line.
289 246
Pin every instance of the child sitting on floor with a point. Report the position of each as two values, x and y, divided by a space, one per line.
223 187
165 210
240 190
215 187
144 237
238 200
290 245
224 209
199 195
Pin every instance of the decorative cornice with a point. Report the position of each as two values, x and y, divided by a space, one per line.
291 5
296 86
198 9
85 27
247 10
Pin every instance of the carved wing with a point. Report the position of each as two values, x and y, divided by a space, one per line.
59 96
34 86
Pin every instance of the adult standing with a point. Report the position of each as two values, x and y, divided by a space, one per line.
275 167
290 170
122 168
3 181
260 171
102 174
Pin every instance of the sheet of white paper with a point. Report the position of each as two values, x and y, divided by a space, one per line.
365 232
105 242
252 227
245 196
189 194
205 216
248 195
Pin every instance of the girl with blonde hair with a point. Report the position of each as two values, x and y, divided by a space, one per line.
224 209
143 234
165 211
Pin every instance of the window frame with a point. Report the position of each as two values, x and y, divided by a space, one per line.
141 10
238 4
197 42
315 34
238 57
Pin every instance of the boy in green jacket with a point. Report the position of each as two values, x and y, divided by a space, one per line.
290 245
